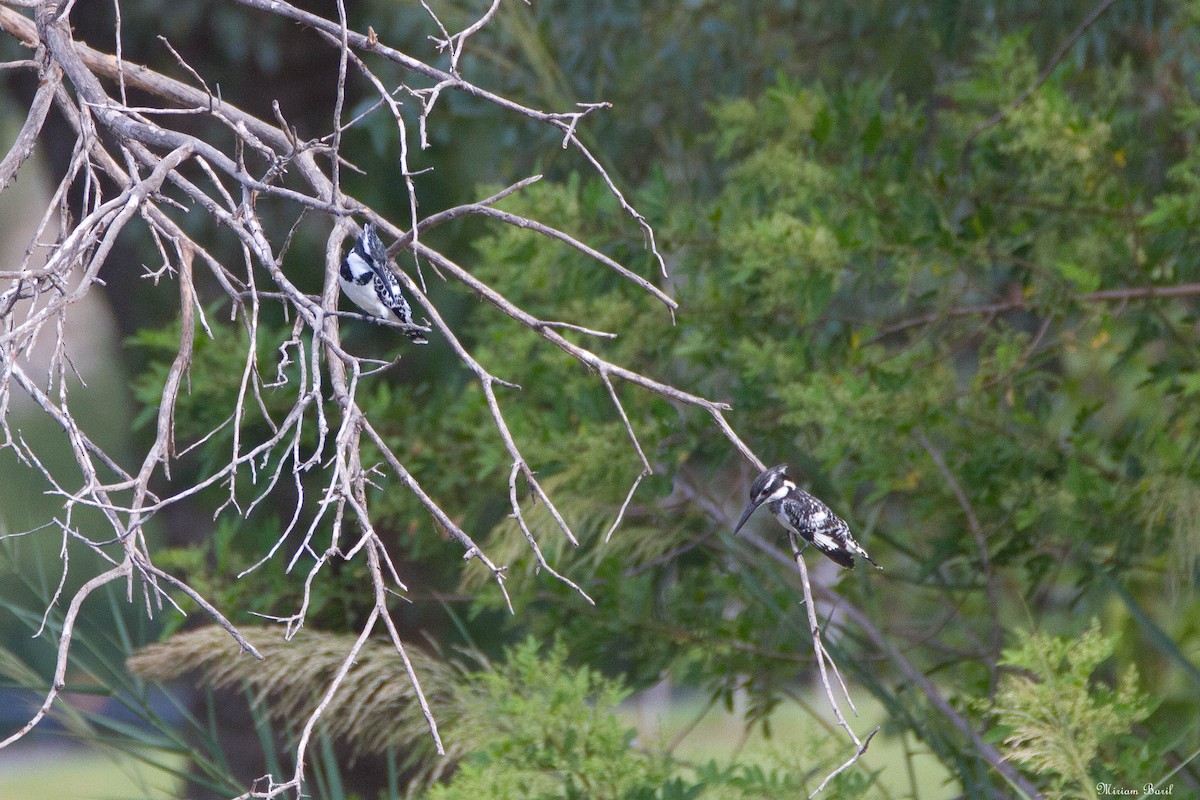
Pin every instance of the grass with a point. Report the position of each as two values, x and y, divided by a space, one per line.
721 735
54 772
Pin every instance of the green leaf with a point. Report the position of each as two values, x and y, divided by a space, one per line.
1081 278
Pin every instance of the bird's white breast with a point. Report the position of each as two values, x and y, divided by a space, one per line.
363 296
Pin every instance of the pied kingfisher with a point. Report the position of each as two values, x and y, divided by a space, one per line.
803 514
366 279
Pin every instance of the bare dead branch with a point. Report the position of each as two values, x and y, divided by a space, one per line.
446 80
22 147
143 165
824 665
64 646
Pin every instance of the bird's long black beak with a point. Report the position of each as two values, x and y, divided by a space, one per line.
750 509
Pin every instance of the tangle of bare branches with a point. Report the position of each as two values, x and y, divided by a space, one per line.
138 166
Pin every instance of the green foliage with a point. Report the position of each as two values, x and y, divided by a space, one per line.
544 730
547 732
1061 724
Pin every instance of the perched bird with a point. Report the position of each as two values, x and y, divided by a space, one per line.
805 515
366 279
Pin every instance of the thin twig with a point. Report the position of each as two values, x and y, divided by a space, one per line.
1119 295
1047 71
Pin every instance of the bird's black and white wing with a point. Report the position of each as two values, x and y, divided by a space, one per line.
826 531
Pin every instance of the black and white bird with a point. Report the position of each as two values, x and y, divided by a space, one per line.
366 279
804 515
